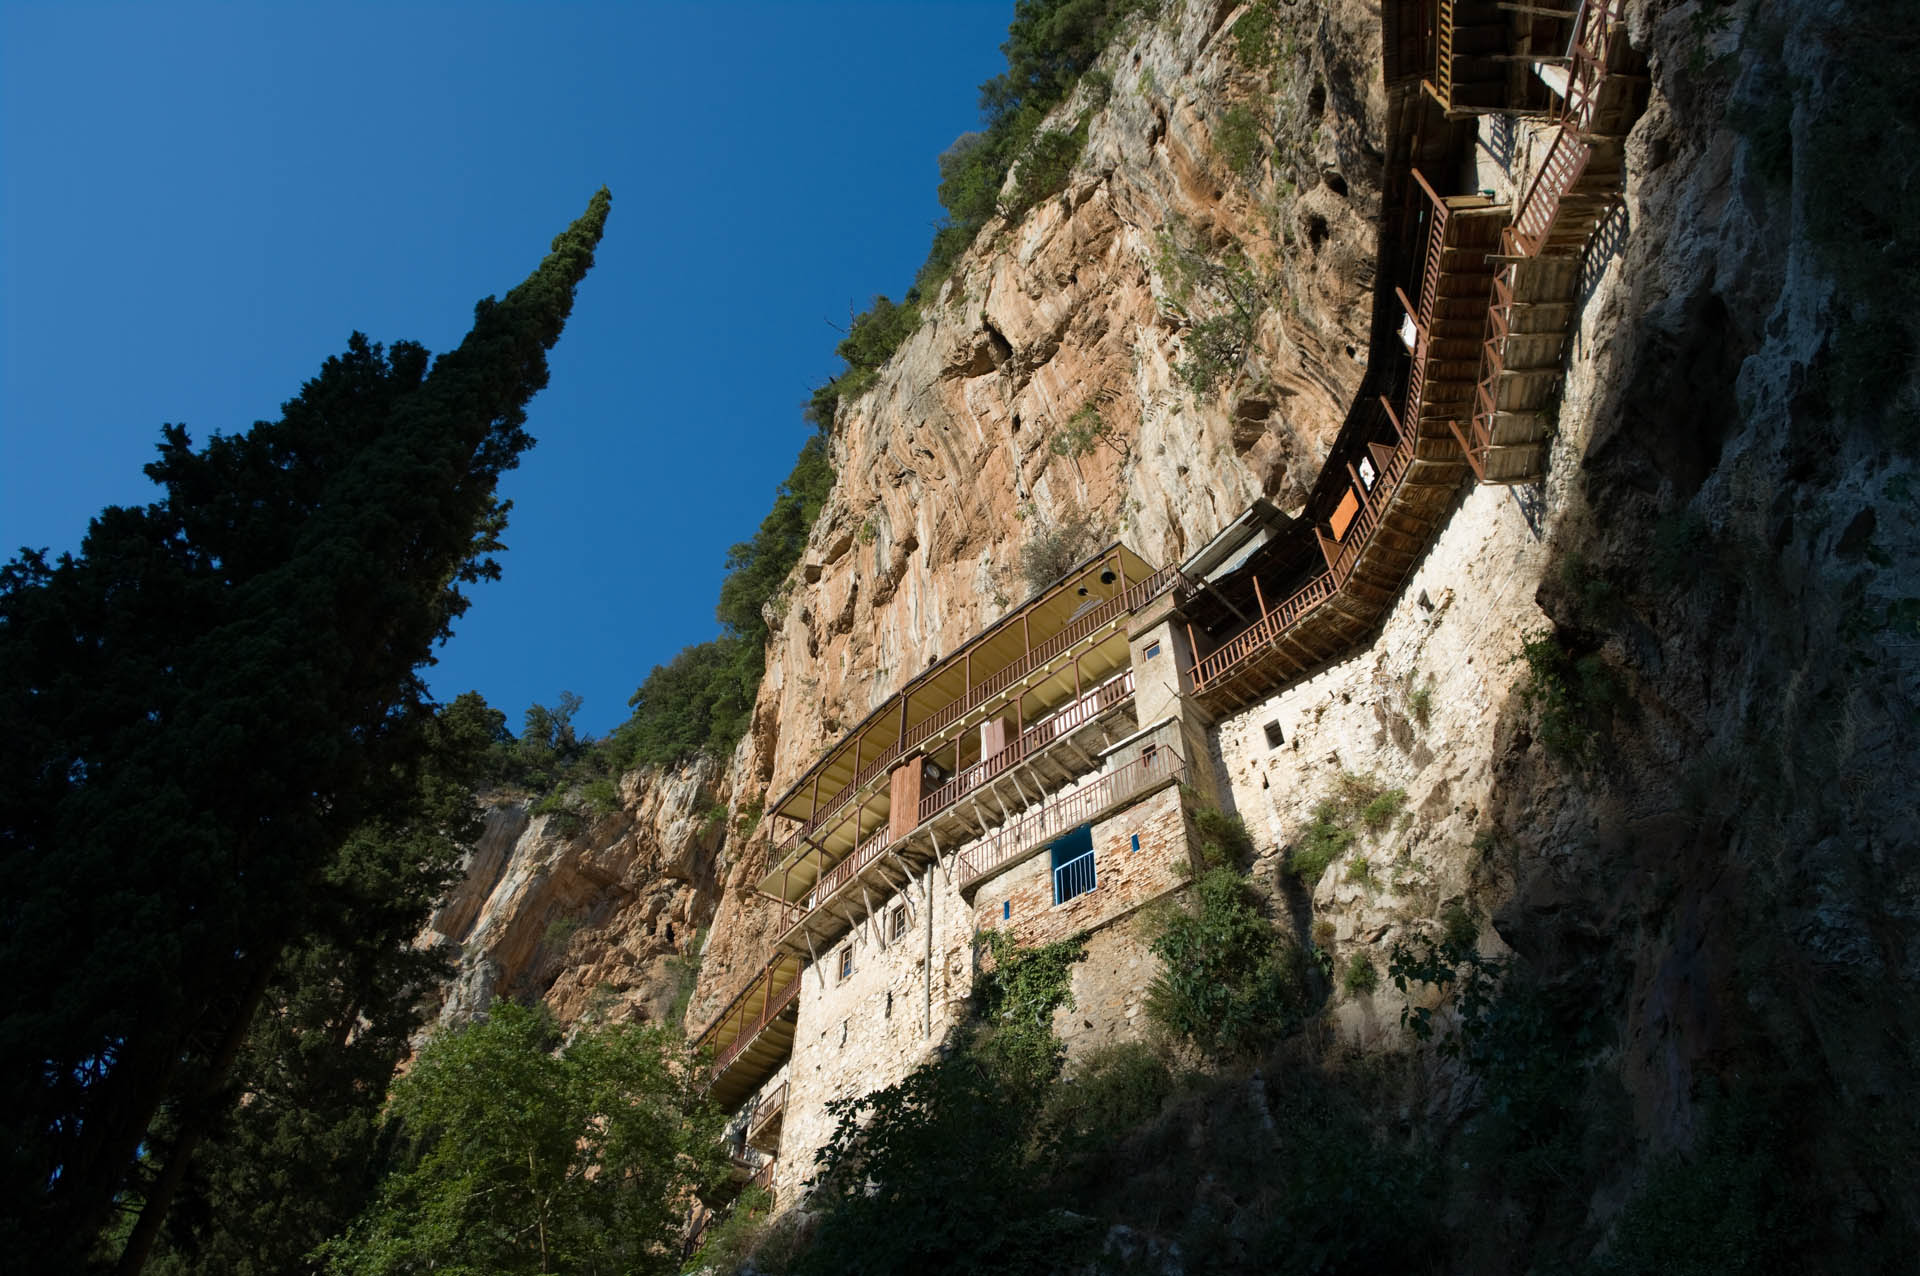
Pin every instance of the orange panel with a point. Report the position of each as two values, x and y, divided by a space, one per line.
1343 516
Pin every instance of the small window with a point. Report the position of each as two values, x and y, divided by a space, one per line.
889 1013
846 961
1153 650
1146 754
843 1030
1274 738
1073 870
1134 842
1006 910
898 929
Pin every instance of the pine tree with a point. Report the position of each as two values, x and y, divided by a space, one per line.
203 706
296 1150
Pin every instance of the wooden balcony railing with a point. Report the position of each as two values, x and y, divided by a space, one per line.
778 999
769 1107
1022 835
1107 695
1097 618
1262 631
1094 620
1566 160
839 875
1243 646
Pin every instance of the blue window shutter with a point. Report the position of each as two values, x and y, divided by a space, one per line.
1136 841
1006 910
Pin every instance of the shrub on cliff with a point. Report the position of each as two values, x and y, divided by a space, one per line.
1228 982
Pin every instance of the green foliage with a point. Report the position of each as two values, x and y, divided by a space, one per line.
1223 839
1379 811
1014 1002
1458 928
1531 1048
871 339
1044 168
1595 598
559 931
1360 977
515 1158
1221 294
1420 702
732 1241
1574 696
1325 840
203 707
1290 1170
336 1020
1256 36
1228 982
1360 871
1116 1089
1056 548
1726 1207
1240 140
1050 45
938 1171
1084 431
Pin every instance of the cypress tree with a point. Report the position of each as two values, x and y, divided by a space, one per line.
203 705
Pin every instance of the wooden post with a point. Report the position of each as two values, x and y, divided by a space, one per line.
1329 549
1399 432
1260 597
1366 497
1120 569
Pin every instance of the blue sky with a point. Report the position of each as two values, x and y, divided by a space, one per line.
199 202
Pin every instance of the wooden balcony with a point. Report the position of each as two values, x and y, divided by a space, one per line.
1030 638
1484 52
1082 652
753 1035
763 1127
1092 801
1538 272
1403 468
1054 752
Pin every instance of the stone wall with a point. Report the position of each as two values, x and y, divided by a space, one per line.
1454 666
1020 899
867 1029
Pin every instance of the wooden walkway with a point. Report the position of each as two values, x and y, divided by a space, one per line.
1487 333
1505 432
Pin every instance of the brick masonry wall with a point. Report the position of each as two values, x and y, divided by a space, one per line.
1021 898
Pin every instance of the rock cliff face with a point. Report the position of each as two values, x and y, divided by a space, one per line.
592 914
950 465
1727 525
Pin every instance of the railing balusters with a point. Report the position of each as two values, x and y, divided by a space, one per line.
1076 808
